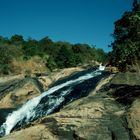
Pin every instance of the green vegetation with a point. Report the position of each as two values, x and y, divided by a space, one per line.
126 45
54 55
7 54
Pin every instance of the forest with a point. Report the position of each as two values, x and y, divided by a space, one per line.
54 55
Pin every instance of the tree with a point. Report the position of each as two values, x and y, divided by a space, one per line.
7 54
2 39
135 3
100 56
65 58
30 48
45 44
126 45
46 41
58 54
17 39
136 6
51 64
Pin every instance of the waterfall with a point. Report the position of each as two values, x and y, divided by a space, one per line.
101 67
44 104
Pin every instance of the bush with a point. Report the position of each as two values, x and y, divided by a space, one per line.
51 64
5 69
7 53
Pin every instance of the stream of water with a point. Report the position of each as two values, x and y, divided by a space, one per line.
60 94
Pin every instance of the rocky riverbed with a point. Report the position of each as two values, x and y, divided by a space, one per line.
16 90
110 112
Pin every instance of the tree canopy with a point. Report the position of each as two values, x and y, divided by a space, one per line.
55 55
126 45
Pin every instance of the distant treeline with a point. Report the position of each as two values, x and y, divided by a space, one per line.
55 55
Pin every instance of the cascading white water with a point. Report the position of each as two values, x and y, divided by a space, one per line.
27 111
101 67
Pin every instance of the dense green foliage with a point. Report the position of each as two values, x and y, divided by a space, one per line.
7 53
126 45
54 54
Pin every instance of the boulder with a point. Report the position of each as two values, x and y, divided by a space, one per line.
21 92
99 116
112 69
95 117
54 76
133 118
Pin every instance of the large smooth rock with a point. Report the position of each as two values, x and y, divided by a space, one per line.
99 116
95 117
133 118
19 95
126 90
127 78
54 76
16 90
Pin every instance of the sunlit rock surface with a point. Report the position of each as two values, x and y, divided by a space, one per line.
96 116
133 118
102 115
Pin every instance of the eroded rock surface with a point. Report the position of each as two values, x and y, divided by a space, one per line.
16 90
92 118
100 116
95 117
54 76
133 118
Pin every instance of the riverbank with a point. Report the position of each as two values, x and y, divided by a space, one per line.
109 112
18 89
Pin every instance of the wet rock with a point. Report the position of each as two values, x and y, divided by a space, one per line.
99 116
95 117
57 75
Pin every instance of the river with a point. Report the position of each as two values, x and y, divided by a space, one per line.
59 94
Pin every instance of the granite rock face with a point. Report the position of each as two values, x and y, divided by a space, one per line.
15 93
102 115
95 117
16 90
133 118
91 118
125 88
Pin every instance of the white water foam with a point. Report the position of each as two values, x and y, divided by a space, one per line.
101 67
58 101
27 111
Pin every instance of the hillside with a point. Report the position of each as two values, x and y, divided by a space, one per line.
19 56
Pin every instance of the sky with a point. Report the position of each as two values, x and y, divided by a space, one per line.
74 21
